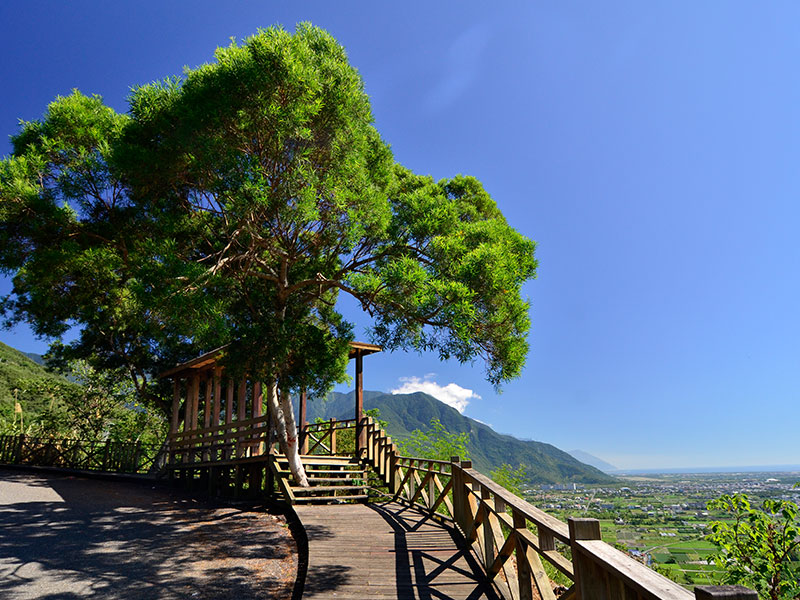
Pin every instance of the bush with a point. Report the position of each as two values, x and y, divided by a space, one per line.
759 547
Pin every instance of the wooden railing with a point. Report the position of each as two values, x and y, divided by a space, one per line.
322 438
248 438
119 457
518 544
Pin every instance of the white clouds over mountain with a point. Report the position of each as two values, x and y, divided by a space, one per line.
451 394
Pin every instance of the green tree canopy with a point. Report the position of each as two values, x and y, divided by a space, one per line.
232 206
759 546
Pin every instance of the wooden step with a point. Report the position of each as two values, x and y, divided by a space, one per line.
323 460
335 479
324 488
331 479
331 499
326 472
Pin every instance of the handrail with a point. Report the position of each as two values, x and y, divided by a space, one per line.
500 525
342 424
531 512
317 433
515 541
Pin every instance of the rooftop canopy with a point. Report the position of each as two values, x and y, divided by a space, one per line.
207 360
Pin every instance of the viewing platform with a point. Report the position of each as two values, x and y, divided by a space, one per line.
379 524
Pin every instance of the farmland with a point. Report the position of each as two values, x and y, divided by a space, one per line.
662 520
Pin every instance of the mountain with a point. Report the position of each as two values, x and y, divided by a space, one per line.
589 459
488 449
16 370
37 358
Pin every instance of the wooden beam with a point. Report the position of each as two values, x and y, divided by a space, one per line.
257 400
229 402
241 400
217 394
176 404
195 398
360 437
208 406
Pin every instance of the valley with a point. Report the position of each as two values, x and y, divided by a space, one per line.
662 519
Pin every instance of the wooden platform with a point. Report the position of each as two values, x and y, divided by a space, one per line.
386 550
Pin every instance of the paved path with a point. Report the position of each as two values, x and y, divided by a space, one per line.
386 550
63 538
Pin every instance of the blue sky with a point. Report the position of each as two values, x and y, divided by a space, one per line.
649 148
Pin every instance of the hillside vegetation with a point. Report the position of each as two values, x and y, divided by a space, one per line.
89 405
20 372
544 463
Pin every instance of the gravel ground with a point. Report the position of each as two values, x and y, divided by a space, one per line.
64 537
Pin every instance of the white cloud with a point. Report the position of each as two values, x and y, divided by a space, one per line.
451 394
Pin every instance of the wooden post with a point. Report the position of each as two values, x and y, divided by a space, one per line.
19 450
217 394
459 498
488 538
386 466
360 439
242 400
176 404
187 406
195 402
393 476
208 408
586 585
431 489
229 402
303 432
257 400
257 408
524 576
333 436
724 592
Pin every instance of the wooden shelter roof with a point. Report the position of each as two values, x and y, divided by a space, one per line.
207 360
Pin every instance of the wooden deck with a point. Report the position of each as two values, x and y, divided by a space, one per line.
386 550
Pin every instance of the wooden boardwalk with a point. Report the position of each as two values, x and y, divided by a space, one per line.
386 550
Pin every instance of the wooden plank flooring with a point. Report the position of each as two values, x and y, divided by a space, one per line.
386 550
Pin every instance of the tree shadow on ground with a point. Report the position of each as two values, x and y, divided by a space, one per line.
127 540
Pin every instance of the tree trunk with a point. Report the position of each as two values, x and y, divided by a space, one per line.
283 420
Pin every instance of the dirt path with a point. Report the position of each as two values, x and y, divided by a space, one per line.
63 538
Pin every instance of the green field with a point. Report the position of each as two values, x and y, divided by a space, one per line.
662 520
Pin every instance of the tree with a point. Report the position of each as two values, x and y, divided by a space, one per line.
78 247
436 443
233 205
760 546
96 406
510 478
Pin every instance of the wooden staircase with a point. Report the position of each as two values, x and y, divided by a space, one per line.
333 479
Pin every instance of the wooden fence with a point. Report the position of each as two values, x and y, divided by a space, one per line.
230 442
324 438
520 545
119 457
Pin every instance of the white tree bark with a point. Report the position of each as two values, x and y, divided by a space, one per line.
280 405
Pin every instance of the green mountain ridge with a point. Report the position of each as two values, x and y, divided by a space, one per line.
544 463
404 413
17 371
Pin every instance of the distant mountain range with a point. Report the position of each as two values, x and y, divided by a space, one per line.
544 463
589 459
